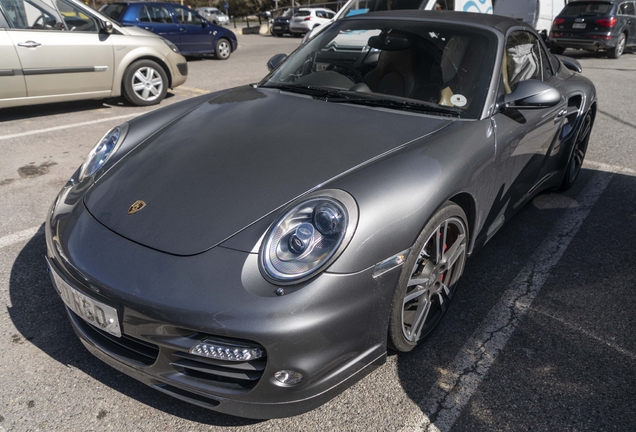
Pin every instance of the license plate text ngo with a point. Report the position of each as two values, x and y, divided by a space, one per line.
92 311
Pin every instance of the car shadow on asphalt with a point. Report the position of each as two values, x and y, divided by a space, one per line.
569 362
44 110
38 313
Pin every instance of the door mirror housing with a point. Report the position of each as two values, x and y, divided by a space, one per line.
107 27
276 61
532 94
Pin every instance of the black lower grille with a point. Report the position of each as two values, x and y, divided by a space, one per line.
134 350
192 397
228 374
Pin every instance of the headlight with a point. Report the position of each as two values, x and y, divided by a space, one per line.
308 237
172 46
103 150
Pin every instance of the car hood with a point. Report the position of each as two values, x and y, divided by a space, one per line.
226 164
136 31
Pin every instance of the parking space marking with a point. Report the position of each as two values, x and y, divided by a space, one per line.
600 166
21 236
457 383
193 90
587 333
68 126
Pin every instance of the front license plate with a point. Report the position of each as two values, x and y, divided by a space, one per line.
92 311
276 27
578 25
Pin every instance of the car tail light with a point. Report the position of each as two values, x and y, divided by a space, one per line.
558 21
606 37
309 19
607 22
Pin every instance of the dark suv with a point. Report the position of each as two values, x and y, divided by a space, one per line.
280 25
594 26
184 27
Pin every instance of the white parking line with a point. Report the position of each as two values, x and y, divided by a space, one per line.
21 236
600 166
68 126
456 385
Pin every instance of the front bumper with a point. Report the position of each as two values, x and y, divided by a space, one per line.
331 329
178 68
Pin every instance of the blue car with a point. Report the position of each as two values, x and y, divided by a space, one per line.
179 24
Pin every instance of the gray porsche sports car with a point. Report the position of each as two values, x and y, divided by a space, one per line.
260 275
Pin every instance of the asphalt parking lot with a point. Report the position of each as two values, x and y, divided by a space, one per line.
540 335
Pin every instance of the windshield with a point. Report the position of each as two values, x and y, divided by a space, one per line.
411 65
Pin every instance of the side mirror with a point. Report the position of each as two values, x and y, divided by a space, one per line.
275 61
107 26
570 63
533 94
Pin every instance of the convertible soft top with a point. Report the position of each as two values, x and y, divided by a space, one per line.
501 23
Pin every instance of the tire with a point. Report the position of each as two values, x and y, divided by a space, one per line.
577 155
428 280
144 83
618 50
222 49
557 50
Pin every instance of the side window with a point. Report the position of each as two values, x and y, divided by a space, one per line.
444 5
32 14
627 8
330 15
156 14
76 19
186 16
524 59
144 16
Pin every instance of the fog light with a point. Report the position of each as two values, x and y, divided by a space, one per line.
212 349
288 377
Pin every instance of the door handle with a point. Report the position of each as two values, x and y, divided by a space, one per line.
29 44
182 29
148 28
560 115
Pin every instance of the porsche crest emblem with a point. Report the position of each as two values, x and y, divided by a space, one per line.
137 205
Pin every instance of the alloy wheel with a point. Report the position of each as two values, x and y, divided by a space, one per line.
433 278
147 83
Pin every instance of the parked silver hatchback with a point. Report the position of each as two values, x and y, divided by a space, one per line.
62 50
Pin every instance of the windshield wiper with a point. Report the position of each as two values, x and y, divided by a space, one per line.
319 92
347 96
422 107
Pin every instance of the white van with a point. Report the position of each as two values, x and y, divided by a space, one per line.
358 7
538 13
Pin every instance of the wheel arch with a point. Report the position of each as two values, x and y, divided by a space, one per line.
130 58
227 38
157 60
467 204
